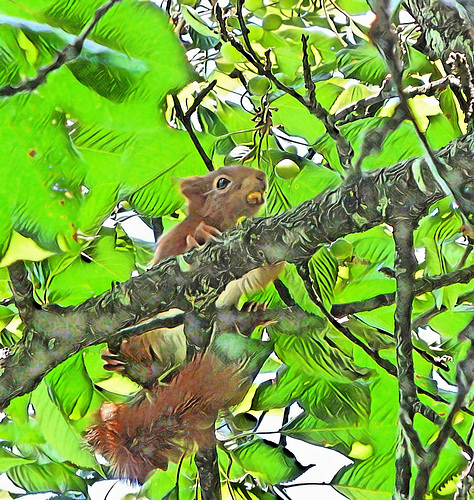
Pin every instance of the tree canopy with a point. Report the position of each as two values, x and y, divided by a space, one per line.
360 114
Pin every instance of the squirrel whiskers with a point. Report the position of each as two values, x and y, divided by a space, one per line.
167 421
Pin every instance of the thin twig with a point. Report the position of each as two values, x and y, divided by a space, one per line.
464 380
385 364
428 89
199 98
421 286
184 119
70 52
343 146
386 41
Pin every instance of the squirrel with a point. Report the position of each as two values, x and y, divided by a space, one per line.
166 421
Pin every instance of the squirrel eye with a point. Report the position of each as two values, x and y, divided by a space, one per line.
222 183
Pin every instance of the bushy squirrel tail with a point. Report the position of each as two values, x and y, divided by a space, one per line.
166 421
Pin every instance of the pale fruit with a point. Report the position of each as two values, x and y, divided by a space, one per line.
287 169
224 66
258 85
245 421
341 249
283 78
255 32
231 53
271 22
253 5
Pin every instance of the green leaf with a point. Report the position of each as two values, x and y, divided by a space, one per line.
363 62
6 315
9 460
36 478
353 6
323 268
73 399
195 21
375 246
161 484
267 461
58 432
108 259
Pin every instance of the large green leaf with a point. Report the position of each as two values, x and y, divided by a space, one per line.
59 434
267 461
9 460
117 134
73 399
107 260
36 478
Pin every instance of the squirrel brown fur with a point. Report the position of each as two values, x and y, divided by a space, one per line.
167 421
215 202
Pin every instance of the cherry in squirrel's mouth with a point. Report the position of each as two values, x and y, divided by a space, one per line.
255 198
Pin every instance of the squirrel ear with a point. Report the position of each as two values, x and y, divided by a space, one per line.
192 187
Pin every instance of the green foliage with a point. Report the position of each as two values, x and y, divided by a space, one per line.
102 130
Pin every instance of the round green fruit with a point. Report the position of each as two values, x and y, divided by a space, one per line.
271 22
292 150
253 5
230 53
341 249
258 85
255 32
245 421
287 169
283 78
288 4
224 66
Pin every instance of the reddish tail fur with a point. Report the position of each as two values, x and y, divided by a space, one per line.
169 421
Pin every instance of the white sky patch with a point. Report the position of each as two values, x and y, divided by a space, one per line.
442 384
430 336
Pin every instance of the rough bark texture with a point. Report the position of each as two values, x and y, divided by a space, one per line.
444 30
195 281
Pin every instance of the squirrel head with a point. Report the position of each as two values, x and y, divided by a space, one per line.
221 197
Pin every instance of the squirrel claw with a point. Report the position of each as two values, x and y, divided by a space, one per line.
203 234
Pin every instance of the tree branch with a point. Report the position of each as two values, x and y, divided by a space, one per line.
184 119
343 147
429 89
179 282
464 380
405 265
209 478
22 291
421 286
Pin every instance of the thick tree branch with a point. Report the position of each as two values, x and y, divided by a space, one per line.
405 265
68 54
22 291
294 236
209 478
444 31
